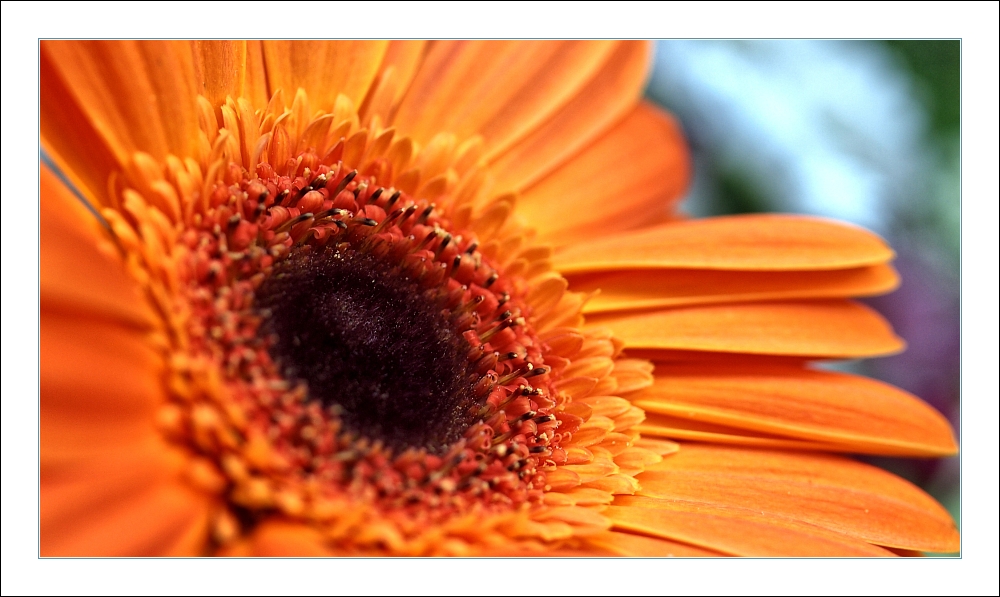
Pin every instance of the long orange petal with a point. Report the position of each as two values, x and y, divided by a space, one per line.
72 140
627 178
109 484
323 69
255 83
606 99
856 413
93 321
136 95
149 522
734 531
627 544
226 68
687 429
835 493
80 272
100 386
220 68
498 89
405 56
747 242
68 490
399 65
649 289
822 328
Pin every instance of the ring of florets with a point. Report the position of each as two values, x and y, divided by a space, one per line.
315 222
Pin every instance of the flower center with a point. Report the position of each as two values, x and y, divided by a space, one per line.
369 352
372 344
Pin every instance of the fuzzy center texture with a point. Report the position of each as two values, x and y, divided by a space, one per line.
369 343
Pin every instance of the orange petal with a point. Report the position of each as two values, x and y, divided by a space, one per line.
323 69
627 544
498 89
822 328
648 289
220 68
255 83
135 95
70 489
605 100
627 178
733 531
149 522
747 242
405 56
835 493
855 413
399 66
71 140
226 68
100 386
80 272
687 429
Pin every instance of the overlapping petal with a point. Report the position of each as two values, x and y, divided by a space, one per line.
104 100
323 69
836 410
832 493
633 290
748 242
499 90
629 177
734 531
629 544
105 467
605 100
80 273
819 329
97 514
230 68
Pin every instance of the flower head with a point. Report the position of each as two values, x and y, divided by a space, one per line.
433 298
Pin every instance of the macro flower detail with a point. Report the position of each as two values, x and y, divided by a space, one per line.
434 298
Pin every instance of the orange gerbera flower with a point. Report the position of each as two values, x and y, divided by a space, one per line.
343 298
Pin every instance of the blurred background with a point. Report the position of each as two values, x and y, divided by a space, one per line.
862 131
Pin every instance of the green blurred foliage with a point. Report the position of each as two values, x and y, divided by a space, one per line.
937 66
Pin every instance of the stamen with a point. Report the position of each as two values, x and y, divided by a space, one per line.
343 183
393 199
425 214
293 222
